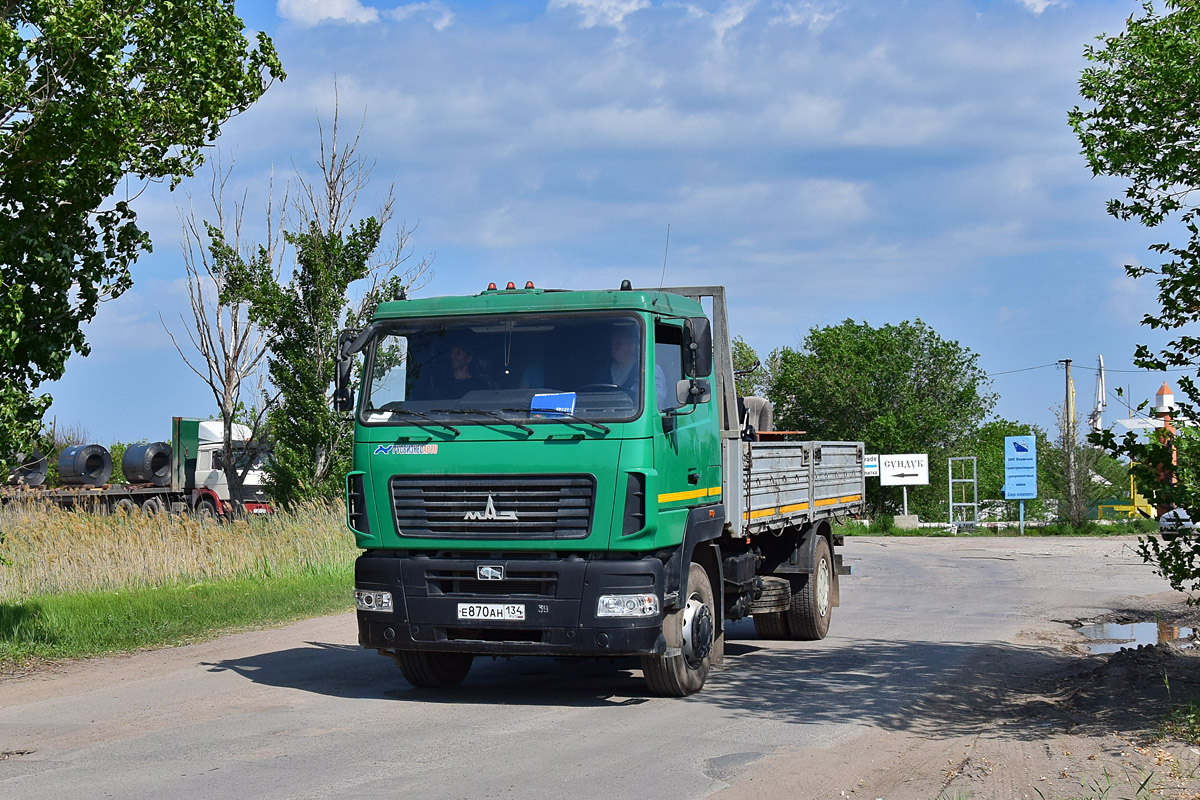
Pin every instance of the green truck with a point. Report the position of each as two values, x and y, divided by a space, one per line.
566 473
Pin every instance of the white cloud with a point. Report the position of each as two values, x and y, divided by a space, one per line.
730 15
1038 6
312 12
805 15
440 15
602 13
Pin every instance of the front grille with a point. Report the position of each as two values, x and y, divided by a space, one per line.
490 507
464 582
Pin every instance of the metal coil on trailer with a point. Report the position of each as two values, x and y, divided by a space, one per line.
29 470
84 465
148 463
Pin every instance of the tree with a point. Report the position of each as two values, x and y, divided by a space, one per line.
1142 125
752 380
899 388
92 92
230 346
333 253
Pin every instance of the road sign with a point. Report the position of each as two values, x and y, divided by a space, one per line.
907 469
1020 467
871 466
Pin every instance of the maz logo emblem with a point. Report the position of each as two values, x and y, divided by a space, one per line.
495 573
490 512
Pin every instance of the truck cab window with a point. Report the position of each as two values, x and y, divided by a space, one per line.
668 364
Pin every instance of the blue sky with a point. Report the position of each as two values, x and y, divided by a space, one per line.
877 161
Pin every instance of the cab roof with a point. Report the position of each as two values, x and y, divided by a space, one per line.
516 301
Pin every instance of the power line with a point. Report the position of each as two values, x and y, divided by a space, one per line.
1095 369
1024 369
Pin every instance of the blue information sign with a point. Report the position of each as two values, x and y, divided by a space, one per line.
1020 467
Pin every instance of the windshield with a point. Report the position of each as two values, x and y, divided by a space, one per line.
518 367
244 456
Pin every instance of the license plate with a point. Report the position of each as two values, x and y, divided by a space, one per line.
509 611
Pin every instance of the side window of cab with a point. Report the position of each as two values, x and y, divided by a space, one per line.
668 363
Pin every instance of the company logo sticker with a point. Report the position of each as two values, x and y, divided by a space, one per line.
1020 447
406 450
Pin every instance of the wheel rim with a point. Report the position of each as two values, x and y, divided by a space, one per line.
697 631
823 588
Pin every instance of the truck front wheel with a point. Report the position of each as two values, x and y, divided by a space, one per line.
812 597
690 633
430 670
206 509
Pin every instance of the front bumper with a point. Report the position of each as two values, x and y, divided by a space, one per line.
559 597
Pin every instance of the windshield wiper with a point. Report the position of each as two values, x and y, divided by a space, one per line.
565 415
485 412
423 416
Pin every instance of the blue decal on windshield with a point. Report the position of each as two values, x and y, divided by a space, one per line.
552 405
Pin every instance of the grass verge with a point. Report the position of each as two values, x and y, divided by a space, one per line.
65 626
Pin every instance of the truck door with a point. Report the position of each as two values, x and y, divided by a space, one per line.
679 456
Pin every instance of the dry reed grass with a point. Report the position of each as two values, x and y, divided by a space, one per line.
52 551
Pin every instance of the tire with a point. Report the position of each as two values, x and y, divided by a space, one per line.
429 670
812 597
770 609
772 625
206 509
152 506
691 630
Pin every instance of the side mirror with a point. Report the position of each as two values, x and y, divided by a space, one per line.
697 347
343 395
693 391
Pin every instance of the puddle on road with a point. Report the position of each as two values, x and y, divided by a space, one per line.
1109 637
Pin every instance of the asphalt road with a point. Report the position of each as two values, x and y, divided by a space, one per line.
303 712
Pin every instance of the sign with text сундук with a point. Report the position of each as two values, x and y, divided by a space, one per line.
906 469
1020 467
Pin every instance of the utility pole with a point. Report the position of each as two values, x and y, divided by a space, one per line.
1069 440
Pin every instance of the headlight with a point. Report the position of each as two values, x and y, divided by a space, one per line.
627 605
365 600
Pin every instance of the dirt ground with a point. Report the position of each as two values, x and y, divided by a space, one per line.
1068 725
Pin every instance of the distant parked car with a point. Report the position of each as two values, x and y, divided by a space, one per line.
1175 522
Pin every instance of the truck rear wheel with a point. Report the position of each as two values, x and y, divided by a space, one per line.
812 597
691 631
430 670
153 505
770 609
772 625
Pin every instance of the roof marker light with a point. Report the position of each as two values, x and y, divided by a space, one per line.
511 285
528 284
492 286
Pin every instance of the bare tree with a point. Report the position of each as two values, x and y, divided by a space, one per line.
343 265
329 202
230 347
